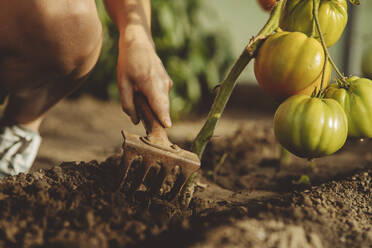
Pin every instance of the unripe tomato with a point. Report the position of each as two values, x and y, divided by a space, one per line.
310 127
267 4
356 99
327 78
298 16
290 63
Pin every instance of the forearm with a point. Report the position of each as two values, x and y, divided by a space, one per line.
130 15
139 68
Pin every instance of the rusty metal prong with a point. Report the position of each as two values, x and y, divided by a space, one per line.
158 181
186 173
137 177
164 170
170 179
140 174
127 161
180 181
147 167
151 174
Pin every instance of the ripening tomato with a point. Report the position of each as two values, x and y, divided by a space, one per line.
290 63
267 4
298 16
310 127
327 78
356 99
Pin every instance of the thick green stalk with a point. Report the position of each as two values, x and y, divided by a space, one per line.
228 84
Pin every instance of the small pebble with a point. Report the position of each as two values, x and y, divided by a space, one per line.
307 201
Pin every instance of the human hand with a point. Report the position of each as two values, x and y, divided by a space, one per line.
139 69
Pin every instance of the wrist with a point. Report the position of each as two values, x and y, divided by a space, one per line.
135 33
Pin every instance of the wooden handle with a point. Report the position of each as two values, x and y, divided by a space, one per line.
155 131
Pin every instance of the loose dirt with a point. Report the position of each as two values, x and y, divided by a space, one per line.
245 196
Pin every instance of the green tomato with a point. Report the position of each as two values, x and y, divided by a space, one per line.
298 16
290 63
310 127
356 100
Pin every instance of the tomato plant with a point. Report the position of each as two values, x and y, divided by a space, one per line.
267 4
298 16
356 98
310 127
290 63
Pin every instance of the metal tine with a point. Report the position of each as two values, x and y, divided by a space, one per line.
139 174
176 187
152 173
158 182
179 184
170 179
142 173
127 161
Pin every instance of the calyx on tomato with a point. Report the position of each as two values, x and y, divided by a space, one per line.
298 16
310 127
290 63
356 99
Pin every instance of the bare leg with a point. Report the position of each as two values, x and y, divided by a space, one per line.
46 50
47 47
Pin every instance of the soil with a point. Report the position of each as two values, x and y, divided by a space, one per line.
245 195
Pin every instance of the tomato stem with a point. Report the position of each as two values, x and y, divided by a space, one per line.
326 53
228 84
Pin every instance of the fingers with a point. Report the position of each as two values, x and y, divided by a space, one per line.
140 69
126 95
158 96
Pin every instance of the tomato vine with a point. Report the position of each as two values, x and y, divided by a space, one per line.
227 85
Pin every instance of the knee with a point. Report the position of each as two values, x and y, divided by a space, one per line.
78 43
69 36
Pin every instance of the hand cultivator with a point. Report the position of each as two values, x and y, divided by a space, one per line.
153 161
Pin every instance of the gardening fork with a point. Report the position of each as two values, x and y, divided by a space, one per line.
156 158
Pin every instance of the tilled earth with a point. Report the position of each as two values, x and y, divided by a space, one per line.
245 197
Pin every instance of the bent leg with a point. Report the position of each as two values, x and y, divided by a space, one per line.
47 48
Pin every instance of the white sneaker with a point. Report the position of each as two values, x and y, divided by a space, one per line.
18 149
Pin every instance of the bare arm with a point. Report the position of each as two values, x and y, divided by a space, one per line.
139 68
124 12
